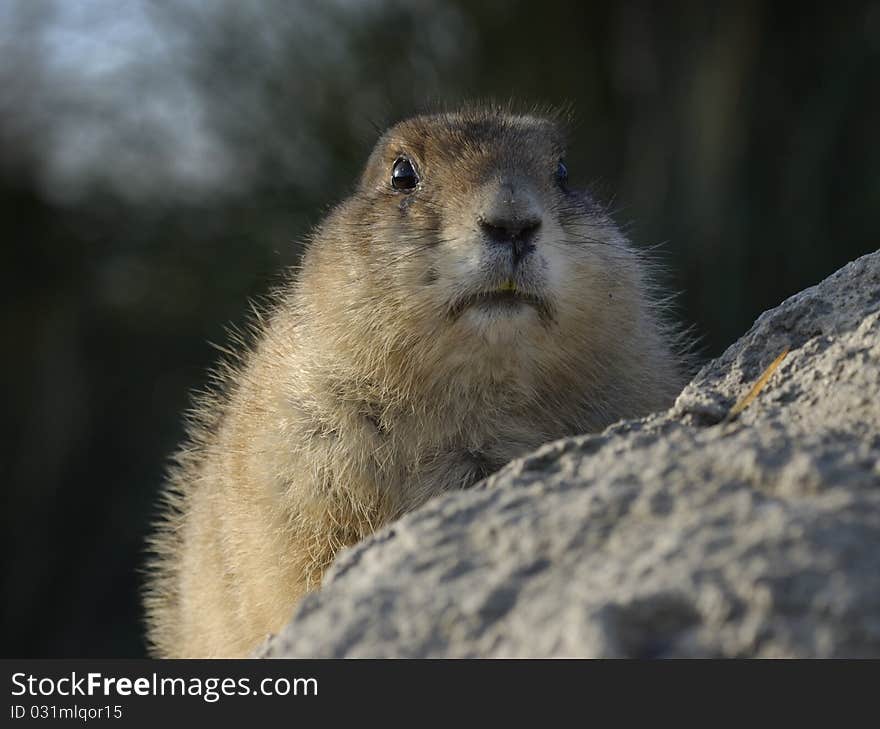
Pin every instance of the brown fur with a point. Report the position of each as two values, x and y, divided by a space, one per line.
372 385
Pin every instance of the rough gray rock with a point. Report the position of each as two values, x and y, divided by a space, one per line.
683 534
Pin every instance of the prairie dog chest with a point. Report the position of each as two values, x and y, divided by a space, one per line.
466 454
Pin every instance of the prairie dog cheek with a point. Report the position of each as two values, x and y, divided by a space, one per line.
462 251
557 259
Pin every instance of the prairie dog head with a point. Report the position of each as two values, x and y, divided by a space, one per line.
463 245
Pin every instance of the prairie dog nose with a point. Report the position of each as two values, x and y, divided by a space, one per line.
510 216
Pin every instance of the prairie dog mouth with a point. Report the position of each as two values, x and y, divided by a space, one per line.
507 296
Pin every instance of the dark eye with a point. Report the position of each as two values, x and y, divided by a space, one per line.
561 172
403 175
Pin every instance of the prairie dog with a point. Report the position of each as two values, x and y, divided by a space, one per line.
460 308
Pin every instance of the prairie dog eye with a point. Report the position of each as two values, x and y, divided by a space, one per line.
403 175
561 172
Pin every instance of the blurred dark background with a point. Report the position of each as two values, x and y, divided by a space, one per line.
160 162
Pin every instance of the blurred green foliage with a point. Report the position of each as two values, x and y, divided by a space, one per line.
161 163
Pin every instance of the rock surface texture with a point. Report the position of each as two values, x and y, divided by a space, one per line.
683 534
